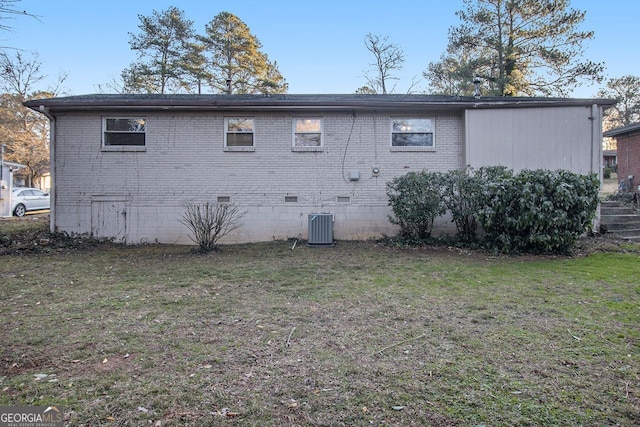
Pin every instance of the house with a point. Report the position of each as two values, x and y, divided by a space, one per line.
609 159
6 185
123 166
628 140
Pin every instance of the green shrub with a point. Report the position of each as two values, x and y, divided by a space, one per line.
534 211
461 191
416 200
537 211
606 173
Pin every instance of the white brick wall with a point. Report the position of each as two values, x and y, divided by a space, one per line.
185 161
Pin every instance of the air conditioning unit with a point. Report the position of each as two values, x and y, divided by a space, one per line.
320 230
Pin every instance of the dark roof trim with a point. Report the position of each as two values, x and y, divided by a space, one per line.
296 102
624 130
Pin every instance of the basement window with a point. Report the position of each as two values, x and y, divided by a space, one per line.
124 133
291 199
224 199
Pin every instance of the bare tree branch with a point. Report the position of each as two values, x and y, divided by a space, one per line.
388 58
8 11
209 222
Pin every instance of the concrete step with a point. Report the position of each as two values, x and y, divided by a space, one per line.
619 219
631 234
632 239
612 203
621 226
634 232
616 210
614 227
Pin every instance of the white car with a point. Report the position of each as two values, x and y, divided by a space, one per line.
29 199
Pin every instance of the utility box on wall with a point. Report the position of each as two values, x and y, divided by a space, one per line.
320 230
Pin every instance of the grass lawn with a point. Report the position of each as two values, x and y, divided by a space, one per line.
358 334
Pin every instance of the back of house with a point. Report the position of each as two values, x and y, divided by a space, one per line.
124 166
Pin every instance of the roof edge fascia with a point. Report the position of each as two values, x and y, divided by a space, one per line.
297 103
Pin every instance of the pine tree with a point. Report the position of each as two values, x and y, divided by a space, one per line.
163 44
235 63
516 47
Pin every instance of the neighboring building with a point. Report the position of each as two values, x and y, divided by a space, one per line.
123 166
6 185
628 141
44 182
609 159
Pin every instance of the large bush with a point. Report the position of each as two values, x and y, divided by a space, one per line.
538 211
461 191
416 200
534 211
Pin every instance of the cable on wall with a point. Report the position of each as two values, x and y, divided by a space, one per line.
346 147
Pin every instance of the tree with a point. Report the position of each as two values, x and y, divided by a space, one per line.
24 132
365 90
163 45
235 63
388 58
450 76
194 63
626 90
516 47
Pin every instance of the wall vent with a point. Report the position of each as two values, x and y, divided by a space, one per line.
320 230
291 199
224 199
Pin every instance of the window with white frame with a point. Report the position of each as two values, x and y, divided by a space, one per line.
124 132
239 132
412 132
307 133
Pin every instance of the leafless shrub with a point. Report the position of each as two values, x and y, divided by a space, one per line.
209 222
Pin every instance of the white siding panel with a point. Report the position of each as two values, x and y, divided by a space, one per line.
530 138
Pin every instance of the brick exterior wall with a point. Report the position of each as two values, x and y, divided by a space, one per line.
629 158
139 196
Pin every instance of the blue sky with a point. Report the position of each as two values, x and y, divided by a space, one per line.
319 46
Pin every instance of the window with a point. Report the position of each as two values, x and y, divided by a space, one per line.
416 133
124 132
238 134
307 134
